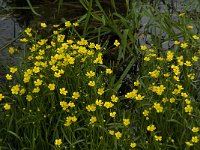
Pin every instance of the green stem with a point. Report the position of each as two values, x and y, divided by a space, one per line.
87 18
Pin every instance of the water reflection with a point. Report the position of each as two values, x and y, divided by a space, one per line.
9 27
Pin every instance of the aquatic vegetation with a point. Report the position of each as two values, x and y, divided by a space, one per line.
64 94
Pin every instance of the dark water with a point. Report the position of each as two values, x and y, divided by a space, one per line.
15 15
9 27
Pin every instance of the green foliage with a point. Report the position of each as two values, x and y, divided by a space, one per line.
70 93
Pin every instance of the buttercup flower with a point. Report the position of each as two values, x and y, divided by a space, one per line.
113 114
43 25
1 96
58 142
63 91
116 43
109 71
118 135
143 47
133 145
7 106
151 128
126 122
195 129
91 83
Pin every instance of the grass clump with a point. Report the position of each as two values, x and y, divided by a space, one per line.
62 94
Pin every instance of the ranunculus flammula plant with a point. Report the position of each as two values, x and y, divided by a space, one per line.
61 96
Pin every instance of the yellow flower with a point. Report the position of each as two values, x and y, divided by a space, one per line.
188 109
55 32
63 91
7 106
170 56
113 114
75 24
29 98
143 47
99 59
15 89
126 122
180 60
22 91
109 71
64 105
146 58
164 99
36 69
184 95
166 75
100 91
176 78
191 76
151 128
116 43
177 42
190 27
108 105
1 96
172 100
68 24
91 45
145 113
23 40
137 83
184 45
139 97
13 69
158 89
118 135
195 139
187 101
188 63
97 47
11 50
195 129
76 95
93 120
43 25
114 98
158 107
155 73
51 86
42 42
36 90
133 145
38 82
70 42
195 37
188 143
74 119
158 138
58 142
160 58
99 102
60 38
56 25
8 76
111 132
195 58
91 83
131 94
91 107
